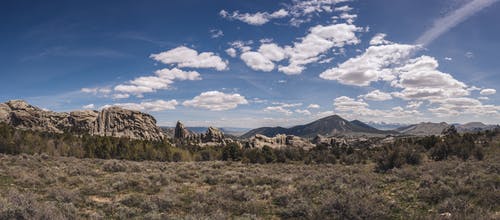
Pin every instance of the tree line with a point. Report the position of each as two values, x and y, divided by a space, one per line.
409 150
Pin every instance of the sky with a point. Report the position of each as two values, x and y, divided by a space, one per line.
237 63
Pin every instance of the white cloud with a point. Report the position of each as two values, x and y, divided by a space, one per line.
257 19
216 33
121 96
379 39
344 8
313 106
442 25
358 109
272 52
186 57
231 52
483 98
349 18
488 92
319 40
303 111
469 55
95 91
377 95
373 65
177 74
344 103
89 106
448 58
279 109
216 101
420 79
414 104
257 61
162 80
153 106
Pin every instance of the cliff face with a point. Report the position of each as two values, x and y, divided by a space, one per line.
114 121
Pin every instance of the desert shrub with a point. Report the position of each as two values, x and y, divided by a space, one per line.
232 152
396 156
254 155
114 166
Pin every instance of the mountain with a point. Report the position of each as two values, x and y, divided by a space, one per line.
266 131
328 126
113 121
474 127
424 128
386 126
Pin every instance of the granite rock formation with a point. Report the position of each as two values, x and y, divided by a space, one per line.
113 121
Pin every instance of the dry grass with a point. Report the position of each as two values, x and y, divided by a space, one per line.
42 187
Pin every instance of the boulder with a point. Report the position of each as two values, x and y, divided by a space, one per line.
181 132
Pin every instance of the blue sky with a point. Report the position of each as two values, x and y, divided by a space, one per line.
256 63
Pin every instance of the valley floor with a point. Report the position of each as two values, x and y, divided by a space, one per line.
42 187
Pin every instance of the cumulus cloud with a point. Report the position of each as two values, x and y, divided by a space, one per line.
257 19
285 108
216 33
420 79
313 106
152 106
377 95
162 80
231 52
303 111
257 61
186 57
488 91
373 65
442 25
216 101
318 41
358 109
300 11
379 39
279 109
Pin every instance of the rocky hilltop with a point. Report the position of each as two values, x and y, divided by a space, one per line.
424 129
327 126
213 136
113 121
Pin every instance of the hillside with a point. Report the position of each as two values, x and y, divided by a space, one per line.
328 126
424 128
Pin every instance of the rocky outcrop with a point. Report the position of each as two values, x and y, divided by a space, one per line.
279 141
119 122
213 135
180 131
113 121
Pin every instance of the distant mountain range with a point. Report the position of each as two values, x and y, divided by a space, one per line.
386 126
328 126
336 125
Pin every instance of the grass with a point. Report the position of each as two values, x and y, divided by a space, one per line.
41 187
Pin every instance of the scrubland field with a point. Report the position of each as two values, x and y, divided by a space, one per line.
46 187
